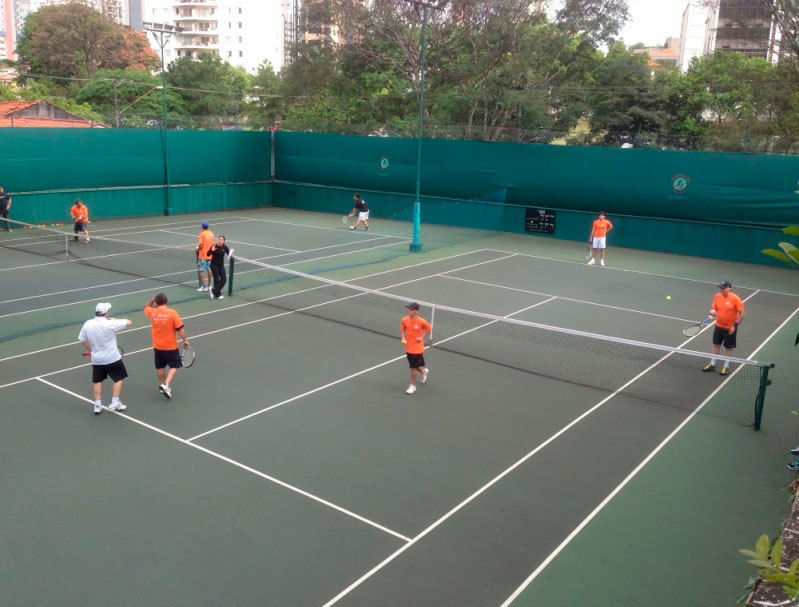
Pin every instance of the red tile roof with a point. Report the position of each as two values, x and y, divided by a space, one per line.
7 119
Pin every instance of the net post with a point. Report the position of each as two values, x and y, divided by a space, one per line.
761 394
432 324
66 246
230 276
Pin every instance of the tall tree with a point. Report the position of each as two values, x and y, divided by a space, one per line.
265 104
74 40
211 88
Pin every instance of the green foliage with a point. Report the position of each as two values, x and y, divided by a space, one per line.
789 253
209 86
767 558
138 97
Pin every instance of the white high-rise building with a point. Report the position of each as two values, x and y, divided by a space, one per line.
242 32
744 26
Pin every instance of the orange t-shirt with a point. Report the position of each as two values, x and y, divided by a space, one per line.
79 213
414 330
165 322
727 309
601 227
206 241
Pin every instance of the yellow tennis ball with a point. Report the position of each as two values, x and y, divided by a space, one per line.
668 297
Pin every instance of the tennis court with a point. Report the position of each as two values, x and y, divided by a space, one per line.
291 469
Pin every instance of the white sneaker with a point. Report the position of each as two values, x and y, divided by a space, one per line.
165 390
410 390
590 263
221 297
352 227
425 372
117 407
202 289
87 240
98 409
601 262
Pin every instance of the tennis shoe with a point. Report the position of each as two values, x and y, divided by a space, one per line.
117 407
221 297
709 368
601 262
411 389
98 409
724 371
424 375
202 289
591 262
794 465
165 390
794 451
352 228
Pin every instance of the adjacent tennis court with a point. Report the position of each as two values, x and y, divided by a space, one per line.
290 468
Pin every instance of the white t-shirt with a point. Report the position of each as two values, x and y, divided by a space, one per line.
101 333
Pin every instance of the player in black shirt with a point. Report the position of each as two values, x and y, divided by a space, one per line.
362 210
218 251
5 207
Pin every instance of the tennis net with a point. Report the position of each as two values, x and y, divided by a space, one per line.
649 372
44 294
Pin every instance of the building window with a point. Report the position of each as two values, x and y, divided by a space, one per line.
239 24
241 53
241 39
230 53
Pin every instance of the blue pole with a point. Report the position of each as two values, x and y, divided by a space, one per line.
416 243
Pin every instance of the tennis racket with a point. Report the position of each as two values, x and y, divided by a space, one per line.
187 356
588 255
345 220
121 352
695 328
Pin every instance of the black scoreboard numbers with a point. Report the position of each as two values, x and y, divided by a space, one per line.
539 220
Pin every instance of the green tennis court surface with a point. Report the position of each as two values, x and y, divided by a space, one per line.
534 468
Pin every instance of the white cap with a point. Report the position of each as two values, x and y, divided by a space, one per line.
102 308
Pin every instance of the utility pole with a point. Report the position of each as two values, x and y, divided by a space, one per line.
416 242
162 32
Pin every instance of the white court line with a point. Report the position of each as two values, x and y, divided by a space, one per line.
249 303
190 222
82 259
582 263
632 474
244 467
171 285
496 479
353 252
592 303
331 246
353 375
302 225
249 244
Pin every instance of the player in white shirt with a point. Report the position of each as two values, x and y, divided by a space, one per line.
99 336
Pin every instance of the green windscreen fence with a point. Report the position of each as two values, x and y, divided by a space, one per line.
120 172
698 203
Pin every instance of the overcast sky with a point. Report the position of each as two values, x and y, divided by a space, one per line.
652 21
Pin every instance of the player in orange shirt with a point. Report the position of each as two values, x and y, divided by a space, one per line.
413 328
80 215
598 238
166 322
728 310
203 249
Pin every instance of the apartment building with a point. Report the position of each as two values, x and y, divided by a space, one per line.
744 26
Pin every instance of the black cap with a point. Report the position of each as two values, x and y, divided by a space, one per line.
413 306
725 284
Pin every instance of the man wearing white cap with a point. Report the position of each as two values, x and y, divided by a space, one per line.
99 337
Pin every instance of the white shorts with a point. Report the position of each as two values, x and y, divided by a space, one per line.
363 216
599 243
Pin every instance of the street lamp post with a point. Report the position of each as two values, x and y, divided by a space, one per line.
162 32
416 242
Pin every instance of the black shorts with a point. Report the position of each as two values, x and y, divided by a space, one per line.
80 226
415 361
167 357
116 371
723 336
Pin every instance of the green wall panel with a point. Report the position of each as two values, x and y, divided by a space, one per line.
712 187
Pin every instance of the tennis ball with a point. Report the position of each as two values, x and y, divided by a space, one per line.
668 297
